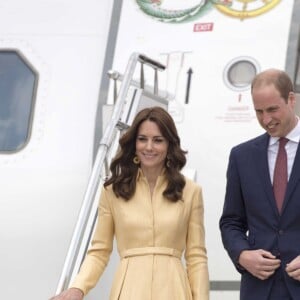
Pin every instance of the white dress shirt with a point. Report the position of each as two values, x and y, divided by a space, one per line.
290 147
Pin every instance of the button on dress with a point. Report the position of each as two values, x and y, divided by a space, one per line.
152 234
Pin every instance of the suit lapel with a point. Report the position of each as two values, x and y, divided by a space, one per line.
293 180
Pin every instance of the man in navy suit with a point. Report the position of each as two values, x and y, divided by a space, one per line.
262 238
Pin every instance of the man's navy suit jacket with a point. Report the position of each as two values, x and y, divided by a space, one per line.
250 218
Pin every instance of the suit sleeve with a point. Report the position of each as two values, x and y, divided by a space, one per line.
101 247
195 253
233 222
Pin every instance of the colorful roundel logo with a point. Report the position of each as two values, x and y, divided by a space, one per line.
243 9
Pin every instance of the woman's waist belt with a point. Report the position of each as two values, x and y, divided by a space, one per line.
150 250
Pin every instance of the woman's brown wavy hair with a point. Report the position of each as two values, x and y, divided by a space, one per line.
124 171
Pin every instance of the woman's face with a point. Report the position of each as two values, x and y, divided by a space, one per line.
151 146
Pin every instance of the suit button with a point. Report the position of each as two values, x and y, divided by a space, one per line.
280 232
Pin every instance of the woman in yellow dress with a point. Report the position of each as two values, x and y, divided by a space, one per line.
156 215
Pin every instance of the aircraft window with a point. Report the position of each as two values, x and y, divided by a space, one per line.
239 73
17 95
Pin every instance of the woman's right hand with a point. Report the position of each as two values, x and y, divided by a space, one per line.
69 294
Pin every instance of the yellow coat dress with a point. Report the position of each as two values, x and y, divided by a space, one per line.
151 234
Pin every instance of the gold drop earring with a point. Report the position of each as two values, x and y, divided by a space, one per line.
136 160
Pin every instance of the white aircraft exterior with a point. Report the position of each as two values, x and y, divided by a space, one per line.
54 91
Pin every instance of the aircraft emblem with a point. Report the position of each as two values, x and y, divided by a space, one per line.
241 9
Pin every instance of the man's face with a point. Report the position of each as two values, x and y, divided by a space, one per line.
273 113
